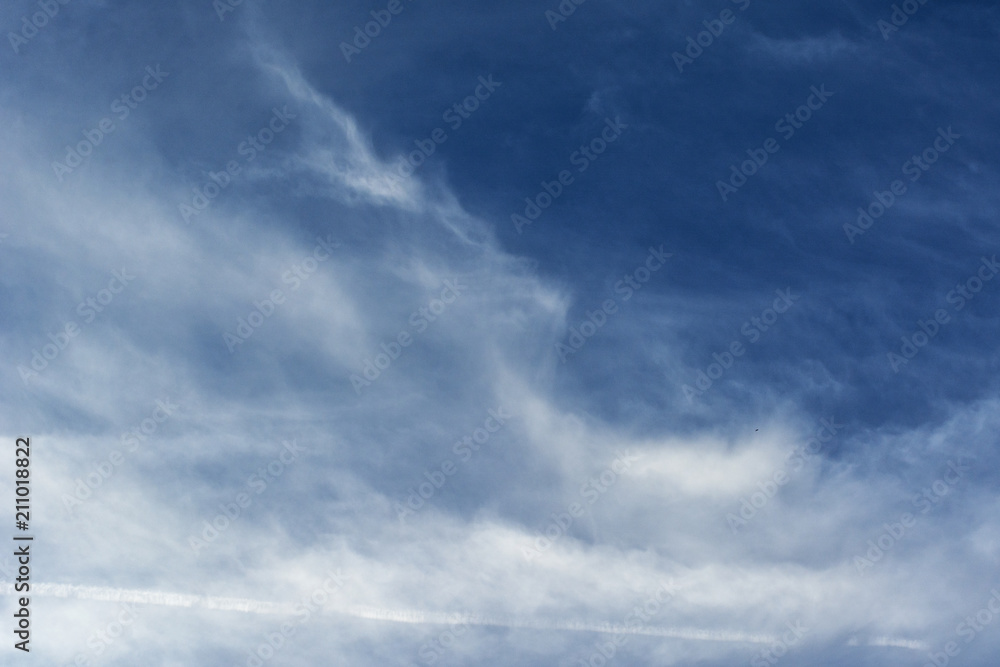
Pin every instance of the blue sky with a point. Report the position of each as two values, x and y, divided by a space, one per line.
658 335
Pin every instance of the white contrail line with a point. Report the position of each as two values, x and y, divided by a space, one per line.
249 606
104 594
900 643
514 622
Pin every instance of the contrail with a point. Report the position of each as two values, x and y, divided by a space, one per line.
104 594
899 643
439 618
249 606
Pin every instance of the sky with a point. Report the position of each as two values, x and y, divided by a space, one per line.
405 333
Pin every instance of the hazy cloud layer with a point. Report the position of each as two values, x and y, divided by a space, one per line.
489 337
